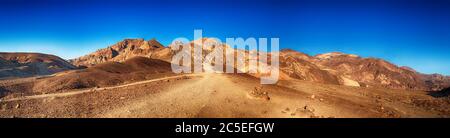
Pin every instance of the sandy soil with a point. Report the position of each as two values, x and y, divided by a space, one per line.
226 95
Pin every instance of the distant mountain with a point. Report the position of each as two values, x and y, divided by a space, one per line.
329 68
436 81
31 64
124 50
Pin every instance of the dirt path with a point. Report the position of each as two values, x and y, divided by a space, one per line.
211 96
223 96
76 92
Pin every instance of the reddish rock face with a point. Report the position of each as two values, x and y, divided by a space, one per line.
373 72
352 70
436 82
299 66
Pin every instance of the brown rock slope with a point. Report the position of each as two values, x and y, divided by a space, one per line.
352 70
101 75
371 71
297 65
436 82
124 50
105 74
31 64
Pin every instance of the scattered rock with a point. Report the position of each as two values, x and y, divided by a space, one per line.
17 106
228 100
287 109
121 98
293 114
304 112
320 99
4 106
309 108
258 93
313 96
283 112
167 80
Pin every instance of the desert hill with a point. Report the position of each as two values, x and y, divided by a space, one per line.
14 65
101 75
105 74
124 50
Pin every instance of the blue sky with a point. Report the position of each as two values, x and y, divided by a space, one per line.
413 33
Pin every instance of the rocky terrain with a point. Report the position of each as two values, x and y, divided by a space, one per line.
227 95
13 65
133 78
124 50
101 75
328 68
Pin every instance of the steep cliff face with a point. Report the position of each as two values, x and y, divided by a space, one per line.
31 64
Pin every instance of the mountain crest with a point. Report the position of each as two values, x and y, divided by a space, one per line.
334 54
125 49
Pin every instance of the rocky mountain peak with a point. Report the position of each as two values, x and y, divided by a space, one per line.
121 51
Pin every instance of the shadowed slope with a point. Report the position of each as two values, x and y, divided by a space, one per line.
105 74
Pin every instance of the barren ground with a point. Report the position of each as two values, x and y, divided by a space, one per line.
226 95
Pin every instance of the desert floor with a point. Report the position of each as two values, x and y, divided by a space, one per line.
226 96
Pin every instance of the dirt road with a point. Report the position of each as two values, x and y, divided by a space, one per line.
75 92
221 95
211 96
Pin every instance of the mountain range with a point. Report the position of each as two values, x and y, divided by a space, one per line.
134 78
328 68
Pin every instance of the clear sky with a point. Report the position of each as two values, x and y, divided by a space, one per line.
405 32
